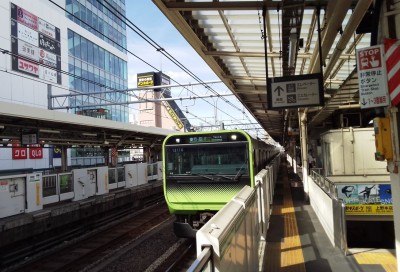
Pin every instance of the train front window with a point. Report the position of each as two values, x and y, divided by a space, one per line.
207 159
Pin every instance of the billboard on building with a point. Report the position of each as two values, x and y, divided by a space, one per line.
159 79
35 46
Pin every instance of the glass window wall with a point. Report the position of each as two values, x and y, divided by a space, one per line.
92 16
88 61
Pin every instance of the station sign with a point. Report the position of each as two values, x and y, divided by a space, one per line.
295 91
372 77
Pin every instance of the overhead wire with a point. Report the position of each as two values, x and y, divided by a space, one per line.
157 47
67 89
149 40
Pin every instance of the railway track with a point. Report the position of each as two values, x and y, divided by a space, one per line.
187 255
82 252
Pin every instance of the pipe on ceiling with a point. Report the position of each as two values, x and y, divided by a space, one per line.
336 12
354 21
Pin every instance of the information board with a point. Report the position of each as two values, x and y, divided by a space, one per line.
295 91
372 77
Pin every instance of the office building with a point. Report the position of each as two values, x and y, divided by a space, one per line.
62 47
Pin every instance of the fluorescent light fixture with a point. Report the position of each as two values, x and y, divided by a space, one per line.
116 136
292 47
49 131
349 106
89 134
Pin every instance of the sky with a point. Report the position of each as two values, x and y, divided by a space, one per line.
146 16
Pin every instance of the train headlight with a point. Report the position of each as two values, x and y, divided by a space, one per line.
177 140
233 137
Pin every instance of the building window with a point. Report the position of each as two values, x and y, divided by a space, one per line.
98 20
88 64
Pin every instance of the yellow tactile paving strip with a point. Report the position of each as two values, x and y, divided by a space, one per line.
386 259
286 255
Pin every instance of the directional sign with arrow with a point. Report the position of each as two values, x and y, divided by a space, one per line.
279 89
295 91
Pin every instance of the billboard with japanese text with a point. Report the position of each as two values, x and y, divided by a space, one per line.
35 46
366 199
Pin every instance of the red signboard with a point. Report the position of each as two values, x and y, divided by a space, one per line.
35 152
28 67
369 58
392 54
27 18
18 152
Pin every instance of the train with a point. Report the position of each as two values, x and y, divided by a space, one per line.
204 170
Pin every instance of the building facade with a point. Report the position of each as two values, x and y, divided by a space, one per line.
68 47
164 114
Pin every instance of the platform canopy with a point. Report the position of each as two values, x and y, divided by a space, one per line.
229 34
62 128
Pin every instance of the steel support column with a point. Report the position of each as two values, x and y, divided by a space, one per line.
64 158
304 150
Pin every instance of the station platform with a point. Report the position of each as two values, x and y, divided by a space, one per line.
296 241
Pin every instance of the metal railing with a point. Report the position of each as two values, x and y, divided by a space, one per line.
112 175
120 174
203 262
56 184
328 186
50 185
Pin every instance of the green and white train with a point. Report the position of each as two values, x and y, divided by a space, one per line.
204 170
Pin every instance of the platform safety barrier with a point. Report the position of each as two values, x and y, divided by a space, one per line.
75 185
57 187
329 209
231 239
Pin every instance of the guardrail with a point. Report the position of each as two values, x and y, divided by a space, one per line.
57 187
328 186
203 261
333 222
240 225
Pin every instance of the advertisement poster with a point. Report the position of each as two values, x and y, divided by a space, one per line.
366 199
35 45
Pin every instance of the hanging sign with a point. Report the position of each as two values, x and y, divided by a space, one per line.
295 91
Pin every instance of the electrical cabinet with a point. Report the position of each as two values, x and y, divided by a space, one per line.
383 139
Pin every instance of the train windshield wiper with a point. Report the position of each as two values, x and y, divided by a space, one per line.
215 177
225 177
238 174
204 176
